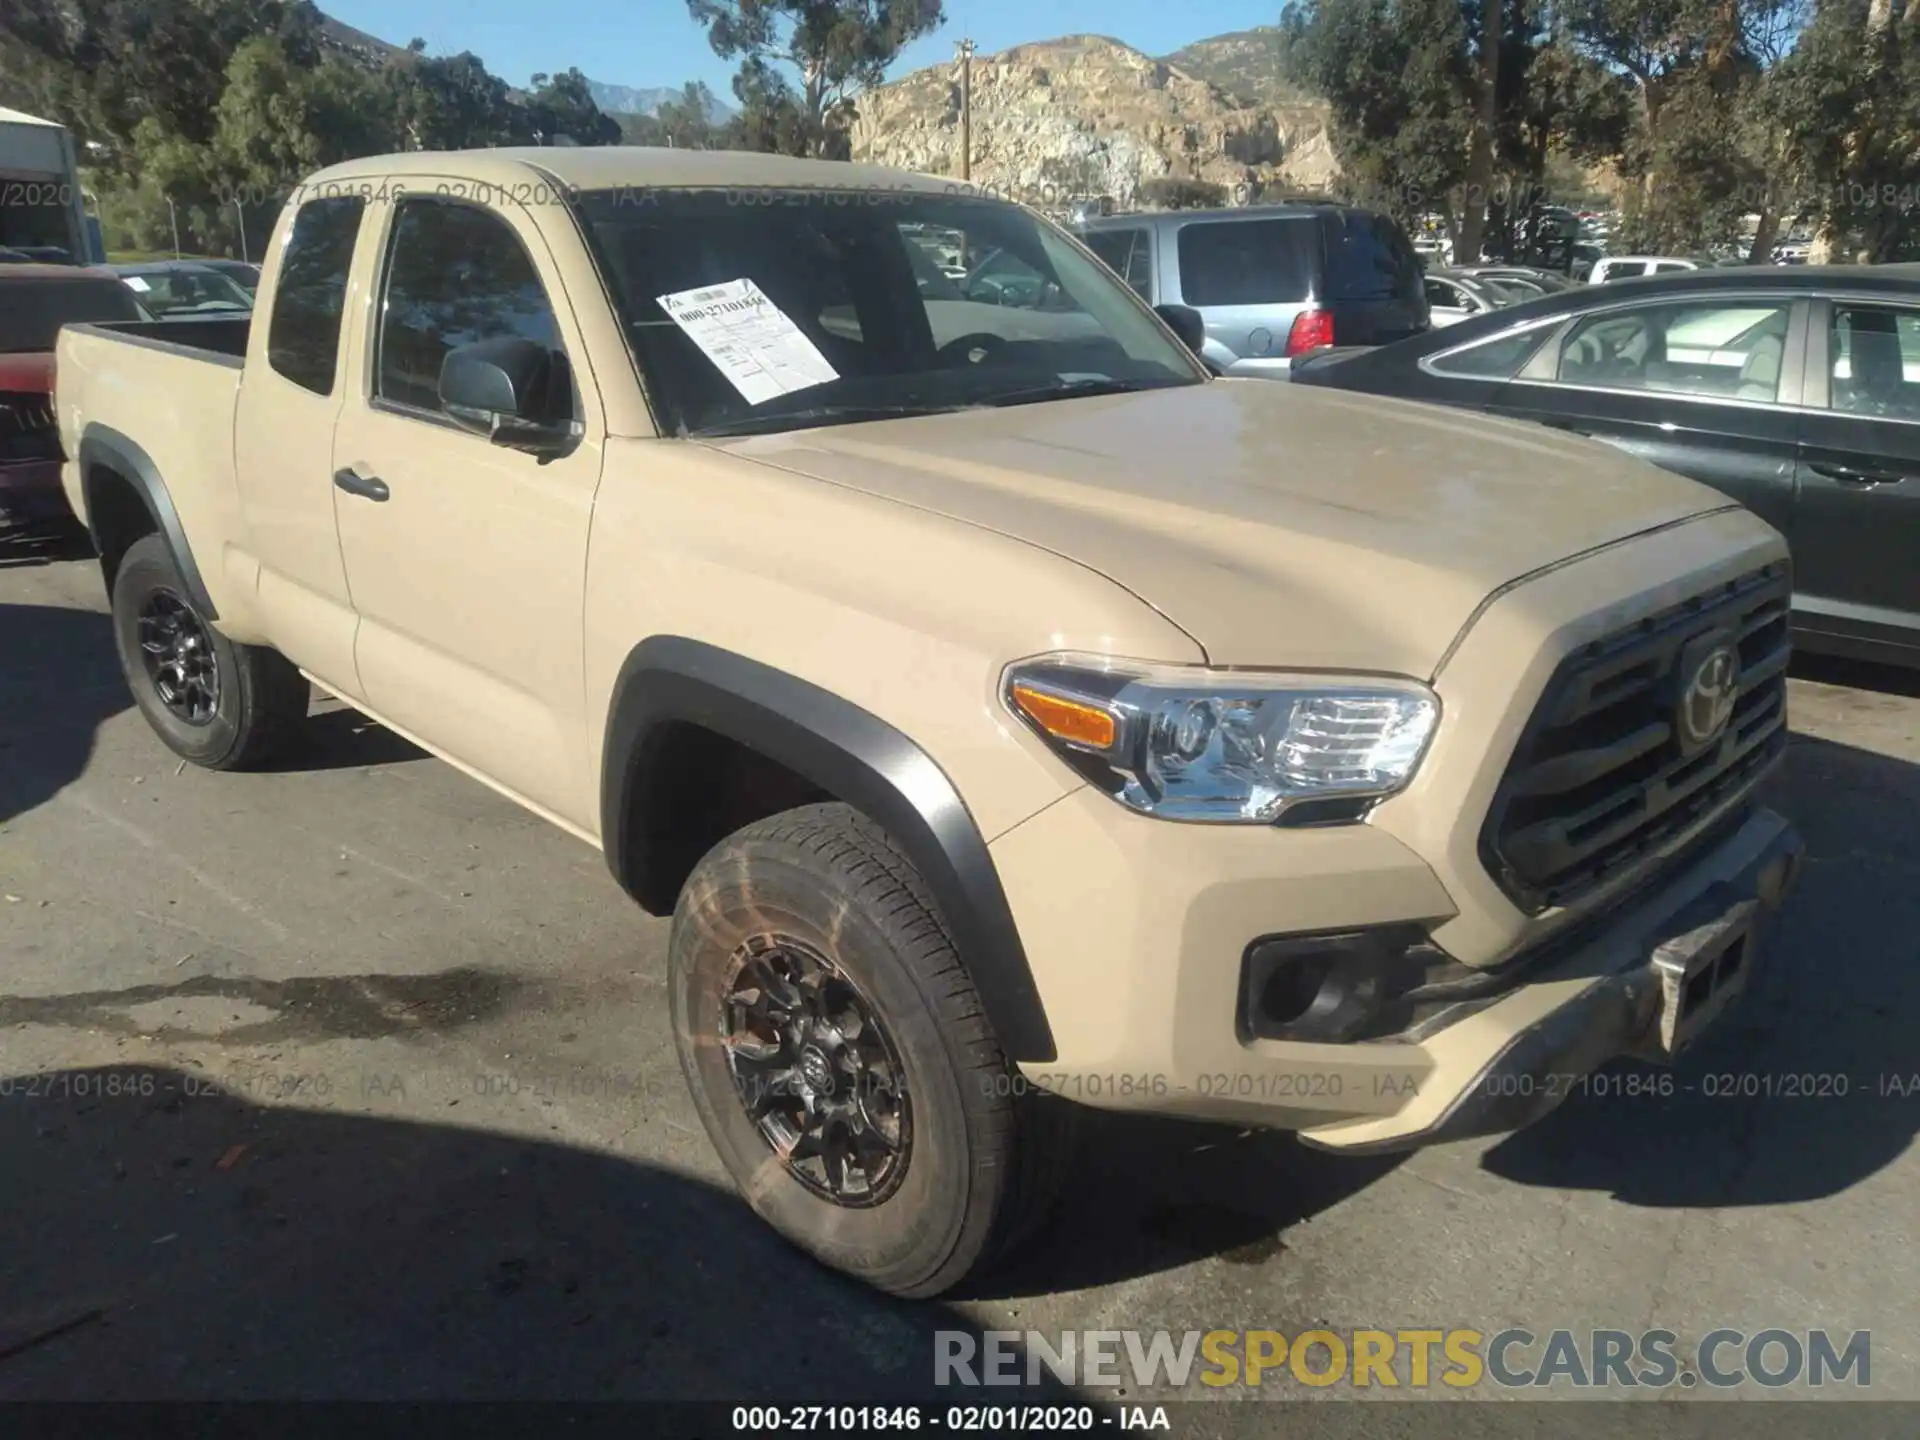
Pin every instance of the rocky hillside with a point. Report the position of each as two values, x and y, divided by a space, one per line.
1251 65
1087 115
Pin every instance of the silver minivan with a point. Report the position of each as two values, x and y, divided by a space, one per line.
1271 281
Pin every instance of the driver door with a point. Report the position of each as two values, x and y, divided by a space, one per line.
466 560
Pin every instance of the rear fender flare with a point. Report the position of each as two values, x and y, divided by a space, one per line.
102 447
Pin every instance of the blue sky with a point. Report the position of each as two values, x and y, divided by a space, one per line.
653 42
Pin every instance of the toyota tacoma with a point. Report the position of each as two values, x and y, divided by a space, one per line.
1010 713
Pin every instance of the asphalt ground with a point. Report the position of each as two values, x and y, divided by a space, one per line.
352 1080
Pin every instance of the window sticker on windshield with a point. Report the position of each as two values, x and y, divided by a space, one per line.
753 341
137 282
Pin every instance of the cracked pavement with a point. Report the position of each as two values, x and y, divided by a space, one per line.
398 1113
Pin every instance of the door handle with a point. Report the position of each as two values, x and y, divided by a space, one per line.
369 487
1855 474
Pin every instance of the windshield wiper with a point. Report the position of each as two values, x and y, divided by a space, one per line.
814 415
1077 389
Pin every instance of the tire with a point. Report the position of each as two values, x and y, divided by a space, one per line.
242 702
978 1162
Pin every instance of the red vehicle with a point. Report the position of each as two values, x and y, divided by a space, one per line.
35 301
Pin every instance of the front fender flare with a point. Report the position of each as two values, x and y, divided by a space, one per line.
854 756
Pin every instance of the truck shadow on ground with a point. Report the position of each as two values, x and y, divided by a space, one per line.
1812 1083
63 681
1148 1195
173 1240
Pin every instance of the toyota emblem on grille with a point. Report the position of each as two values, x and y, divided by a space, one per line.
1707 703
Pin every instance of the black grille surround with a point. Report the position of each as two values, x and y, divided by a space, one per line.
1600 779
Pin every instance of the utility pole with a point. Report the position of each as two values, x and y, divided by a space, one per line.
965 51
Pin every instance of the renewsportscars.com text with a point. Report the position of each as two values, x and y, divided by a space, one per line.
1511 1358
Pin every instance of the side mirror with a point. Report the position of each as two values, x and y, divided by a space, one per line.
513 391
1185 322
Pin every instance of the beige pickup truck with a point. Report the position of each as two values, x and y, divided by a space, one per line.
1003 706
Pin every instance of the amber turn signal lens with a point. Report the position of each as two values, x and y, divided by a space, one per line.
1068 720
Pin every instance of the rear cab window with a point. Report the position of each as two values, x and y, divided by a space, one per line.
310 295
1248 262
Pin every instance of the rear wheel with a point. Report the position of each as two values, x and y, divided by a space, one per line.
220 704
842 1063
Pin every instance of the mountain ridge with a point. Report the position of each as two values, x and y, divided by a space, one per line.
1081 116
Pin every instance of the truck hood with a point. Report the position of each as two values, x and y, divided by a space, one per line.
1278 526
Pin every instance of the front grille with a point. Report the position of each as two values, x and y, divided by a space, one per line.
1601 779
27 429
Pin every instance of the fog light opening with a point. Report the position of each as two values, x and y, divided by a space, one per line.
1293 987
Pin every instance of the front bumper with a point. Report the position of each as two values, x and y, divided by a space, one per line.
1140 981
1658 976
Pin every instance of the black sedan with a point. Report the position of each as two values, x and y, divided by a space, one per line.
1794 390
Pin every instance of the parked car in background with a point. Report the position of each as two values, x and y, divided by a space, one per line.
243 273
1525 281
184 288
35 301
1634 267
1455 295
1271 281
1795 391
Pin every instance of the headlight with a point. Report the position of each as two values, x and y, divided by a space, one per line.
1226 746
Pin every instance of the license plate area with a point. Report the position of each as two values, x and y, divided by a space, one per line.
1699 974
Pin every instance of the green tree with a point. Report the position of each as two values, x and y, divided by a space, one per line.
562 106
107 65
1848 102
1399 79
1169 192
685 122
834 48
1700 148
452 103
278 121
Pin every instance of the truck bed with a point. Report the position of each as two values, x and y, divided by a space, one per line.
221 338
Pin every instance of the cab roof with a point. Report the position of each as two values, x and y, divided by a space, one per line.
611 167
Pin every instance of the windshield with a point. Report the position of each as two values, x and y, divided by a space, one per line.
187 292
789 308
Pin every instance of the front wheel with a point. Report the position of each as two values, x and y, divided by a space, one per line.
218 703
842 1063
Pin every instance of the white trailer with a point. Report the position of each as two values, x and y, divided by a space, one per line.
42 208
